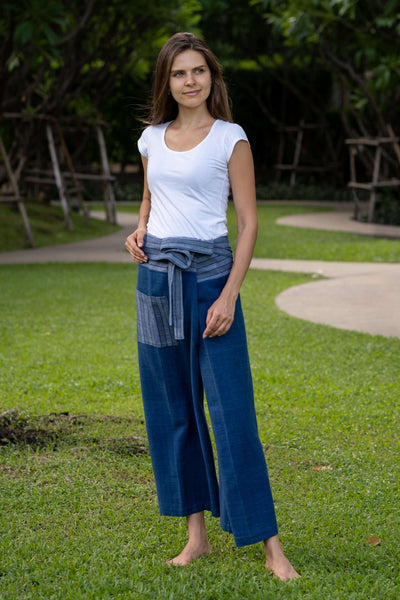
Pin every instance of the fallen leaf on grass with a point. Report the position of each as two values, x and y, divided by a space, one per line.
374 540
322 467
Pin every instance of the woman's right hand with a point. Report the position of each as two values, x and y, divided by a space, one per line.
134 244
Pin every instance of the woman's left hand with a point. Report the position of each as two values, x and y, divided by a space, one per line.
219 317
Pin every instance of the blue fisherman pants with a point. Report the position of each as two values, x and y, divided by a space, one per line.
175 374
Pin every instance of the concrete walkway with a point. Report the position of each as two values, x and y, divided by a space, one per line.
110 248
340 221
361 297
357 296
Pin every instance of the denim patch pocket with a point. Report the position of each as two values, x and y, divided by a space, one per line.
153 327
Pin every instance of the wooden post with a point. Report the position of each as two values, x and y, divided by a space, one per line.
73 175
281 150
58 177
109 192
352 152
376 182
395 142
296 159
375 177
17 197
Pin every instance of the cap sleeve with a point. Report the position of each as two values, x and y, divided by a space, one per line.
234 134
143 142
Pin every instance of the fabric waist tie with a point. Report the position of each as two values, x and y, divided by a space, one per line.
179 254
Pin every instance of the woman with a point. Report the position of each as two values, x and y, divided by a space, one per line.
191 333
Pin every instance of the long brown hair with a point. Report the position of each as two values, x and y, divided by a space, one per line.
163 107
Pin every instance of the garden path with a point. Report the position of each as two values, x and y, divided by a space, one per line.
361 297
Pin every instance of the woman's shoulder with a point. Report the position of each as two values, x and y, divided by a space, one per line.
151 130
228 135
151 137
230 129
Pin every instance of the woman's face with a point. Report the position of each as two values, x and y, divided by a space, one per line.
190 79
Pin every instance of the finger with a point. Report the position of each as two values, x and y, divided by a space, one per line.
214 328
209 331
130 245
137 254
211 323
222 327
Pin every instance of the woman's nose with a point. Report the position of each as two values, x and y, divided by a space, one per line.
189 79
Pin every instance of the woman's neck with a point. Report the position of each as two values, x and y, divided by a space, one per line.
193 118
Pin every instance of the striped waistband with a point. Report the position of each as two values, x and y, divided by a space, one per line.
208 258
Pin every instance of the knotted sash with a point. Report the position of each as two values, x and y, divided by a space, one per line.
209 258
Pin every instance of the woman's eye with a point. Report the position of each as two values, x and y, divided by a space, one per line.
181 73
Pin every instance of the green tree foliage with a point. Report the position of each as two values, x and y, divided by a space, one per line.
357 41
62 55
332 62
271 83
82 59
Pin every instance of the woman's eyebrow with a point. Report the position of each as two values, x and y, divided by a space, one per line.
192 69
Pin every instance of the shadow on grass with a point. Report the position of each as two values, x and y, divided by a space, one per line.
80 432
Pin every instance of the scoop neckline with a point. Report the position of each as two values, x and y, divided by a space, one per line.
190 149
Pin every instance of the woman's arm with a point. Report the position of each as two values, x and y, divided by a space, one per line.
241 173
134 242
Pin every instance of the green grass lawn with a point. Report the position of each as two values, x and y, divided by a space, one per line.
282 241
48 226
79 517
274 241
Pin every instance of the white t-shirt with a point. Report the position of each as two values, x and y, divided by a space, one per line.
190 189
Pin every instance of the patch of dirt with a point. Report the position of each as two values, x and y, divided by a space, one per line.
16 427
82 432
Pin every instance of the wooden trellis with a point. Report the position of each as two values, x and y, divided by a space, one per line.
295 135
63 173
10 193
378 144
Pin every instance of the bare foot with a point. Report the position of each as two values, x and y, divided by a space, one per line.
190 553
276 561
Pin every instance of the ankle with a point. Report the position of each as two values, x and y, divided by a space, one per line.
200 541
276 561
273 548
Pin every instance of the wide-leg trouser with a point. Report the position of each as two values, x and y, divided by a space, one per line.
174 376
